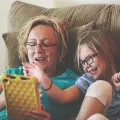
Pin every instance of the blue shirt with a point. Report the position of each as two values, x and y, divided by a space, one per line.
57 111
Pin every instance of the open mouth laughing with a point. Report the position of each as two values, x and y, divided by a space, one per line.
39 59
93 71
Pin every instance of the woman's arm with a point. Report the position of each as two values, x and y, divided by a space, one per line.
2 99
2 102
1 87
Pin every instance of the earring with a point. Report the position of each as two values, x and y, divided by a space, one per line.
60 59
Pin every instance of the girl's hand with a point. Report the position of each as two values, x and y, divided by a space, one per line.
38 115
33 69
40 92
116 79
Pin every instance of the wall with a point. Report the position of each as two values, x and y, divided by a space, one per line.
5 5
64 3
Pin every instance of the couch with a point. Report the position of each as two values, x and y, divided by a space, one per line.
80 18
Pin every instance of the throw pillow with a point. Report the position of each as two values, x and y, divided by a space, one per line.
20 12
11 43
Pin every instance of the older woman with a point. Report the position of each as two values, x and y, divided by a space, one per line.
43 42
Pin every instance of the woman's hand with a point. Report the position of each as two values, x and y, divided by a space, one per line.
116 79
2 102
38 115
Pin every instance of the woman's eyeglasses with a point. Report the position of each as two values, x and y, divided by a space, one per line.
88 60
44 46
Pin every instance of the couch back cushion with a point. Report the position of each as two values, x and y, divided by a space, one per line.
105 16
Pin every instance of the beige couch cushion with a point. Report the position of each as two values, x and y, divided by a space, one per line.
106 16
11 42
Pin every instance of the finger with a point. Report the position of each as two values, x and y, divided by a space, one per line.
25 68
32 116
115 78
29 116
36 65
42 107
26 72
33 63
40 95
27 65
112 78
41 113
119 77
35 116
39 92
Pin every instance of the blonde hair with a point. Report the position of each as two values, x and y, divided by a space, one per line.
60 28
103 42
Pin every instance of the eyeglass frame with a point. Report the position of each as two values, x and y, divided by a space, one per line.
41 45
87 59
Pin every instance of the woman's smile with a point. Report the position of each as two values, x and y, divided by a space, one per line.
40 59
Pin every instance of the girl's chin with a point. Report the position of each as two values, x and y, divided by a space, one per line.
95 77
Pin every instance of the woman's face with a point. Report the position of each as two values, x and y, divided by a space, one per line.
97 65
45 53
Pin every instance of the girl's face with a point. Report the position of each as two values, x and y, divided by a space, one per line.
93 63
42 47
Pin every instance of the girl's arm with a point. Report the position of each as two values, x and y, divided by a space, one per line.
61 96
97 99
